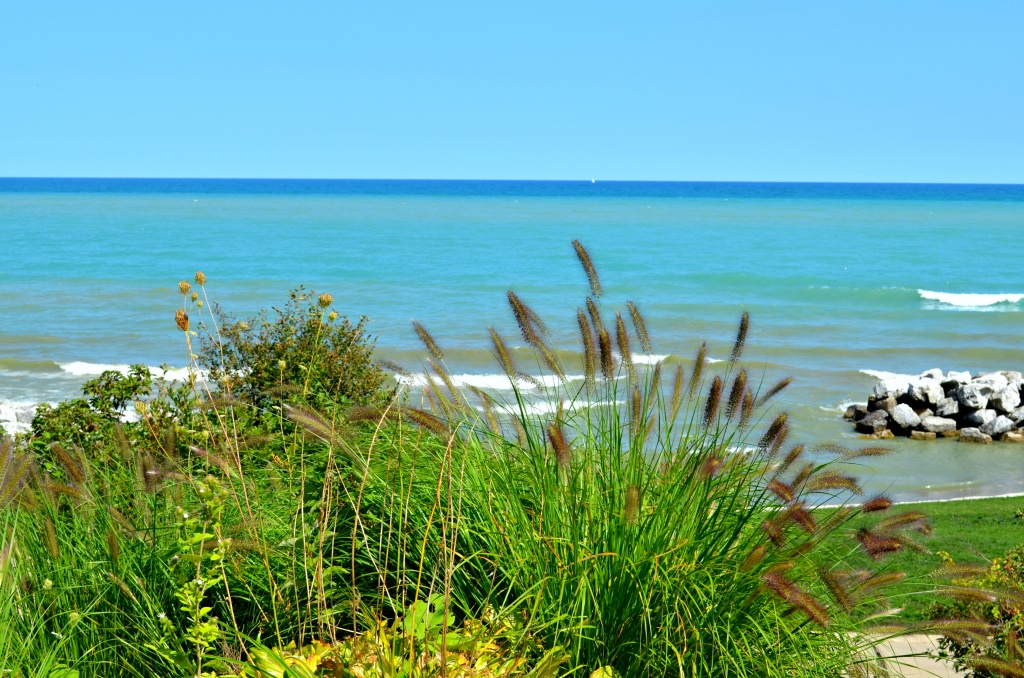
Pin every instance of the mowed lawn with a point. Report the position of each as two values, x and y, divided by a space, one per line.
972 532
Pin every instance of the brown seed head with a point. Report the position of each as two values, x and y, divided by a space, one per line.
428 342
181 318
698 368
714 398
588 267
607 363
325 300
739 387
747 410
773 391
632 509
589 351
741 338
563 455
622 339
595 314
640 326
200 278
184 287
502 353
878 503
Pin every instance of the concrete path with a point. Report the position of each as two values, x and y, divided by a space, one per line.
915 667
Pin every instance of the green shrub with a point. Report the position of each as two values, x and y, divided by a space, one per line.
90 419
301 349
995 598
646 525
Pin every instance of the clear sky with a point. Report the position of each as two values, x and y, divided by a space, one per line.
927 91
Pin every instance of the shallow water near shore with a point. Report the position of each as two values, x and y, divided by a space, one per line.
842 282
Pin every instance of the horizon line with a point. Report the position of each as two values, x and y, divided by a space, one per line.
493 180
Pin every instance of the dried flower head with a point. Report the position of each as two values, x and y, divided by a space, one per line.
332 316
184 287
195 296
200 278
181 318
325 300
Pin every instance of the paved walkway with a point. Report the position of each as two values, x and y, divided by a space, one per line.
915 667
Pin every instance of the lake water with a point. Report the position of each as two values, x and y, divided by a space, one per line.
843 281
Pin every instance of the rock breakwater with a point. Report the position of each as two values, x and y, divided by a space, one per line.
937 404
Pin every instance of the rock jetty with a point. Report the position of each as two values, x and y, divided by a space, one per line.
937 404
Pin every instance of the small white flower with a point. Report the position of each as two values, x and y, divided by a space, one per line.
161 615
185 515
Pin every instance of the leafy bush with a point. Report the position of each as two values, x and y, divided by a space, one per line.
302 348
89 420
422 643
997 601
646 525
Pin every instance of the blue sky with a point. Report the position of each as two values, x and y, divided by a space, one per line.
747 91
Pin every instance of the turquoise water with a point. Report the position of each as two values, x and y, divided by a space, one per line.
839 280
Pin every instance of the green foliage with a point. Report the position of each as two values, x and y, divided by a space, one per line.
627 525
200 556
1001 607
422 643
647 527
301 349
90 420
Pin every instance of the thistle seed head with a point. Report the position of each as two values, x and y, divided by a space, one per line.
184 287
181 318
325 300
200 278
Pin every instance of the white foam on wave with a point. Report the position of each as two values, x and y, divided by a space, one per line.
712 361
649 358
970 300
841 407
490 382
545 407
895 376
83 369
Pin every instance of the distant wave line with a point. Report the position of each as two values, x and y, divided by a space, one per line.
970 300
